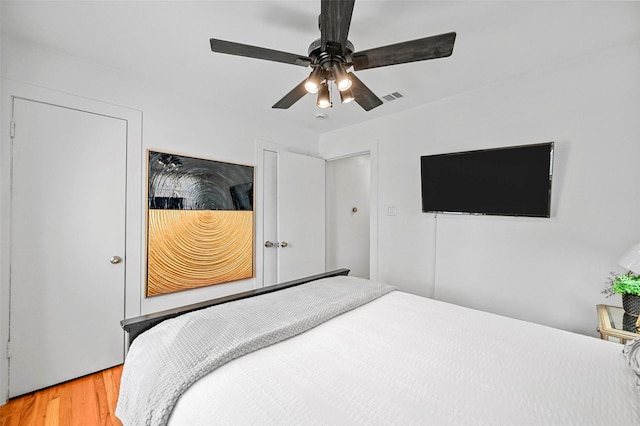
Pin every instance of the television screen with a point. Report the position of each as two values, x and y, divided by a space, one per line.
512 181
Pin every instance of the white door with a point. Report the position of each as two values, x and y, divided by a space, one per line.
300 224
67 225
348 214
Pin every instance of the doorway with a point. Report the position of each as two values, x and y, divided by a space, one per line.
348 203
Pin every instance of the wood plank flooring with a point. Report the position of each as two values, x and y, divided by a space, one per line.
87 401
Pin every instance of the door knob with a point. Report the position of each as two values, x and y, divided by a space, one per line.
269 244
115 259
284 244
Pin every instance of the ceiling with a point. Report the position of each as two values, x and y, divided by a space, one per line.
168 43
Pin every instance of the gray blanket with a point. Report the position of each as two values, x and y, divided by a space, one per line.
164 361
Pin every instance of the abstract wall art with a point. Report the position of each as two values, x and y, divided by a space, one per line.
200 222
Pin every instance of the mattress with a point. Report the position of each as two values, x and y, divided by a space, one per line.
405 359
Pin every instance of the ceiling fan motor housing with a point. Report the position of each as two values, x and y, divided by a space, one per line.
332 52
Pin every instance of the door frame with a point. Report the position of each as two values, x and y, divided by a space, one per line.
364 147
134 184
367 153
371 148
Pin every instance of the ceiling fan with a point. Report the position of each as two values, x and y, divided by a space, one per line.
331 56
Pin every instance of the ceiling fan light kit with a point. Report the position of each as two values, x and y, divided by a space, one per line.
346 96
341 77
313 82
324 99
332 55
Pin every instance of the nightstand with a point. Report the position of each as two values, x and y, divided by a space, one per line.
613 322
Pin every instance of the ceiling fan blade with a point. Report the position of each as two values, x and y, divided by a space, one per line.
292 97
433 47
335 20
363 95
232 48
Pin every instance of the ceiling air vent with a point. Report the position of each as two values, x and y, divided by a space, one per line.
393 96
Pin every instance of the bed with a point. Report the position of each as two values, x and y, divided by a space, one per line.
333 349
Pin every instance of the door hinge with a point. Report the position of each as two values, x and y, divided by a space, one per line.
12 129
9 349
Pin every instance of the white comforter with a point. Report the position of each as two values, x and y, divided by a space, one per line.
166 360
404 359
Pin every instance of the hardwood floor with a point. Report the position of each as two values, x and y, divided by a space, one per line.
87 401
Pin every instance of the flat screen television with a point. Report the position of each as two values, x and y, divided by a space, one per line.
510 181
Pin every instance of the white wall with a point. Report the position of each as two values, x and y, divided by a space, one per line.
548 271
170 122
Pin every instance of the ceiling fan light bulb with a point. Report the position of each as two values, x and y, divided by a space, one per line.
323 103
342 77
344 84
346 96
311 87
313 82
324 99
